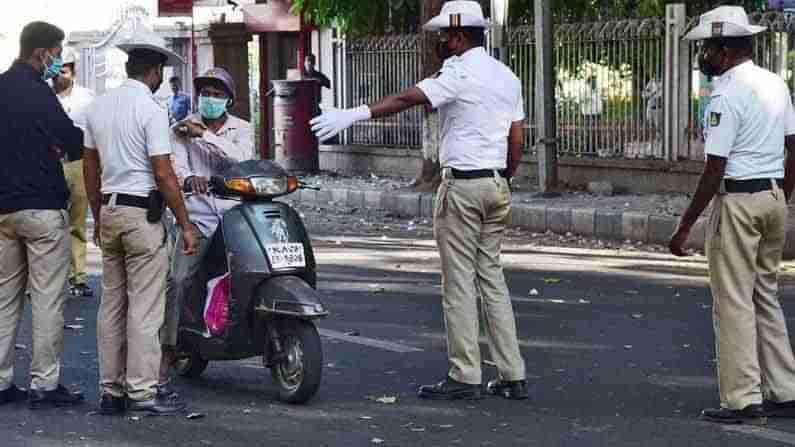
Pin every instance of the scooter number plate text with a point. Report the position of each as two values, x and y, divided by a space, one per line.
286 255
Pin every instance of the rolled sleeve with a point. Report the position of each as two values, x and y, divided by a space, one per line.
790 118
180 158
156 128
722 124
88 137
444 88
519 112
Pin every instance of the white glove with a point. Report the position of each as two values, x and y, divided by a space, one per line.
333 121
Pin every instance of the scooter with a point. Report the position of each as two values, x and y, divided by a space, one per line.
263 247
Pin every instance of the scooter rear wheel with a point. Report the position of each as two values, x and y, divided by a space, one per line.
298 375
189 363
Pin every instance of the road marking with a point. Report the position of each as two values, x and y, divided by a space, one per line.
520 299
371 342
764 433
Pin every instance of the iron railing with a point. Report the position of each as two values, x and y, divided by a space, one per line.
373 67
608 86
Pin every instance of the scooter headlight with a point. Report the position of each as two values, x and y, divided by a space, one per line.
267 186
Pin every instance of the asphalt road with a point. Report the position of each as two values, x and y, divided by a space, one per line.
618 346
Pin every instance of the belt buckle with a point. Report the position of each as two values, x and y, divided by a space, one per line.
447 173
112 202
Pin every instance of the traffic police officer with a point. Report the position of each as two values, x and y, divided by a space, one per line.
75 101
128 157
749 178
481 107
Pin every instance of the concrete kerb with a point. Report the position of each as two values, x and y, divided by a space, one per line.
583 221
409 204
635 226
605 224
559 220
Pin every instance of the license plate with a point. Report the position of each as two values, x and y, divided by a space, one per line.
286 255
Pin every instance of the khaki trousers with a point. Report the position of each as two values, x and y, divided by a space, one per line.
744 245
470 217
78 208
135 267
34 248
183 270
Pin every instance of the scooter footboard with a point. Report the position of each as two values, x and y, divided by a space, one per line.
289 295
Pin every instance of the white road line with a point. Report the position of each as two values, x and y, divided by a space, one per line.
519 299
371 342
761 432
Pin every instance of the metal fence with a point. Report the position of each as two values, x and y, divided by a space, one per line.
370 68
771 50
608 86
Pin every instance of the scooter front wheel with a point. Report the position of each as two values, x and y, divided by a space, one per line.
298 374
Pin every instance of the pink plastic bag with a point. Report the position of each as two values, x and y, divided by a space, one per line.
216 307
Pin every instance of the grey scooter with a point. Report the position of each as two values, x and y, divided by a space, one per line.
264 247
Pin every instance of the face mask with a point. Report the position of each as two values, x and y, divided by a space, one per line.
706 67
212 108
52 70
443 51
309 67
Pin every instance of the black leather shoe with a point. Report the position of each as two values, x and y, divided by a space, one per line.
59 397
449 389
509 389
779 409
112 405
166 391
752 414
158 406
13 394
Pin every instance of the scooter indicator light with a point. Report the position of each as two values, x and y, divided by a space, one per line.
240 185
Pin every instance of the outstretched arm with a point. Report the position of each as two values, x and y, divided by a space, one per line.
393 104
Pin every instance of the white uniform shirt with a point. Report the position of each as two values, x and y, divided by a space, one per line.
76 103
749 114
478 99
127 127
210 155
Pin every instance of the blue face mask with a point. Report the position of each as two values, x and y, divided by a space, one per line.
53 69
212 108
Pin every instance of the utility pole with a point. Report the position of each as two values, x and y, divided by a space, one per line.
546 143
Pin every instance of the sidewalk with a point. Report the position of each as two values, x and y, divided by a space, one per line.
647 218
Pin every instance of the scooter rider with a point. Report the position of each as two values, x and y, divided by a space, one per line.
205 144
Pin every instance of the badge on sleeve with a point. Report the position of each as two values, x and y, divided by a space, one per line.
714 119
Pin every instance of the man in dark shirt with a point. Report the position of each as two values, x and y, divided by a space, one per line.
310 72
34 226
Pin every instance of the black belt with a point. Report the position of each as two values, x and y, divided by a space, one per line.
477 173
127 200
751 186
